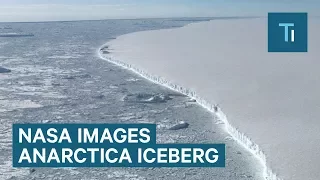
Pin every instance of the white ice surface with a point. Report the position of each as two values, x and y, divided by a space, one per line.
273 98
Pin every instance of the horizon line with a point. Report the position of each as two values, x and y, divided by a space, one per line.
137 18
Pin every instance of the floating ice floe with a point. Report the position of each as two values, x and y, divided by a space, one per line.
104 50
4 70
64 57
81 76
132 80
180 125
15 35
146 98
9 105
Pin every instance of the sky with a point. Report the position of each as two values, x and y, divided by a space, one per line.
61 10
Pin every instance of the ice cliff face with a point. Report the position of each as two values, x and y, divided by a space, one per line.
234 132
273 98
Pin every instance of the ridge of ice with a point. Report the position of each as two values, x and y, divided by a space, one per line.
240 137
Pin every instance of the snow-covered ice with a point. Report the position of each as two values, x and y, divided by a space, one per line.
272 98
57 77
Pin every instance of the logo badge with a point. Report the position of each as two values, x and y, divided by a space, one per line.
287 32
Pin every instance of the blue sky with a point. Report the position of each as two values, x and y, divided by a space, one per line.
52 10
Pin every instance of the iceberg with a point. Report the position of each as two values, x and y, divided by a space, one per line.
270 102
15 35
4 70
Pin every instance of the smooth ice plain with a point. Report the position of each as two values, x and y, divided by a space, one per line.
273 98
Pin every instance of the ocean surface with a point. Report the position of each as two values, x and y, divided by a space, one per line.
57 77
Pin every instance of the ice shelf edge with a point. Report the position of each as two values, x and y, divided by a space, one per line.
238 136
